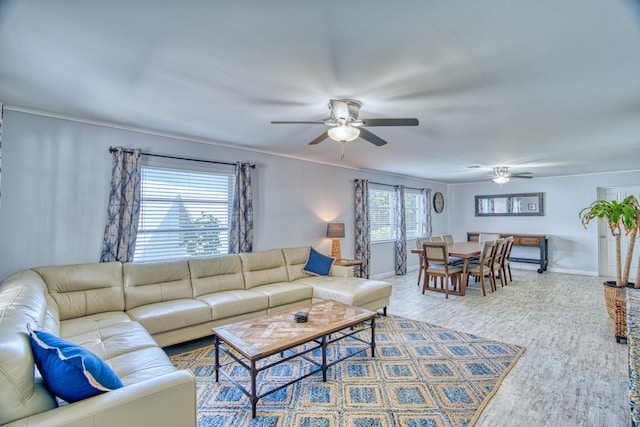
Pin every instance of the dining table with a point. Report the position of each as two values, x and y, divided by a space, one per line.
464 250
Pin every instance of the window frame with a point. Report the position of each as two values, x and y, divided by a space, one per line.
190 250
392 210
419 207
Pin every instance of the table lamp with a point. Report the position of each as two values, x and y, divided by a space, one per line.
335 230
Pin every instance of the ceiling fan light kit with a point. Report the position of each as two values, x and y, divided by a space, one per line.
500 179
343 133
501 175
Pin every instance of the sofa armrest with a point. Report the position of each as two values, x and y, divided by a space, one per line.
341 271
168 400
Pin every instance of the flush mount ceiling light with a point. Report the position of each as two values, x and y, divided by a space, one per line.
501 179
343 133
501 175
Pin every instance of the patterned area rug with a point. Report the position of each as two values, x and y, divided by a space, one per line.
422 376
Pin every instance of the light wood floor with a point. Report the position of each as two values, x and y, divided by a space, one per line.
573 373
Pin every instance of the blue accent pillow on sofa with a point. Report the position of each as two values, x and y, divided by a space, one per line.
318 264
70 371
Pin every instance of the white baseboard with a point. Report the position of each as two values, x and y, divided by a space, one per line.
515 265
524 266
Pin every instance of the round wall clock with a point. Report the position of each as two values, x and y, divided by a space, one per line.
438 202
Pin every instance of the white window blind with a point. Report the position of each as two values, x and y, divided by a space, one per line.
412 213
183 213
381 214
382 208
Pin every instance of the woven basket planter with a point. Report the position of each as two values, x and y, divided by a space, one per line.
621 317
610 293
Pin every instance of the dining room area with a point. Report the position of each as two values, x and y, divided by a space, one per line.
447 266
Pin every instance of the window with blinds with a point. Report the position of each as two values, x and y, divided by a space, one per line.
412 213
183 213
381 215
382 211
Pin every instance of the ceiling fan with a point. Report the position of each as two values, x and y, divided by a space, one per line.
501 175
345 124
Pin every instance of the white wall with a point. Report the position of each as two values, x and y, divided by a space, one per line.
572 249
55 182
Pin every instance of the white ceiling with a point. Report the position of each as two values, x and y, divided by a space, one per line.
546 86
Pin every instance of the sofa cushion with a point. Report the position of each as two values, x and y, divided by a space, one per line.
156 282
170 315
92 323
217 274
285 293
262 268
318 264
234 303
141 365
106 339
71 371
84 289
348 290
295 259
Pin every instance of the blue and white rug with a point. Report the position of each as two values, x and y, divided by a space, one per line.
422 376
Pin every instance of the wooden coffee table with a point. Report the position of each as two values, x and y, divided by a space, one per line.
249 341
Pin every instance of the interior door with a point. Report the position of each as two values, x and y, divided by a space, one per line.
607 243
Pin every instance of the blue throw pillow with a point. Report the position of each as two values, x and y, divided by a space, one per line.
318 264
70 371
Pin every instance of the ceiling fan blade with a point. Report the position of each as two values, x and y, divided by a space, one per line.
390 122
319 139
526 175
296 123
375 140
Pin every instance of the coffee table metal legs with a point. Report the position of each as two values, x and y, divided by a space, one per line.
324 365
254 394
324 358
216 341
373 337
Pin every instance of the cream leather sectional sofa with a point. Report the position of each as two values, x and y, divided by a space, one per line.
126 313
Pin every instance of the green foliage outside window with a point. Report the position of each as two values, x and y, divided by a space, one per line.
202 237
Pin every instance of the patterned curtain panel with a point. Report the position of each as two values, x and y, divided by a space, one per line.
363 242
124 206
401 232
241 228
425 221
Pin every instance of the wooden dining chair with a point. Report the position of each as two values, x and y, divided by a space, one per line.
419 242
437 239
496 264
505 264
483 268
452 259
436 264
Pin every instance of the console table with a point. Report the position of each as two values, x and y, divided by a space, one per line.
538 240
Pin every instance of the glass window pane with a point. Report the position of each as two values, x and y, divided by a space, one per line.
183 213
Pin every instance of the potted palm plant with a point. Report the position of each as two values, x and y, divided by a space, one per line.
622 218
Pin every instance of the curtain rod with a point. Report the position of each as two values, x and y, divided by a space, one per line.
391 185
111 150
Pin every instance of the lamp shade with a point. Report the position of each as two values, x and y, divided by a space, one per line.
343 133
501 179
335 230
